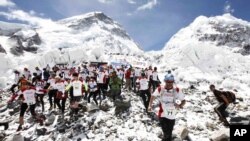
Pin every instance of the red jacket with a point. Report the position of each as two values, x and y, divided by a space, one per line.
127 74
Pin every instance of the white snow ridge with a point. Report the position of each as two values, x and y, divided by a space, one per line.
211 50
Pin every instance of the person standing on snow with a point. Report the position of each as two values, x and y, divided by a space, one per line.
137 72
93 89
27 74
38 72
46 74
120 73
224 98
76 88
155 79
29 100
52 91
115 85
149 72
101 81
170 101
144 90
16 80
61 96
40 91
128 80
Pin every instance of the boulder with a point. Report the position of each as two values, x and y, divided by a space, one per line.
3 108
105 106
221 135
92 108
181 132
41 131
50 120
2 136
61 128
121 106
15 137
2 50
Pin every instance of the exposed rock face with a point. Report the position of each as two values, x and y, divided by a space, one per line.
2 50
22 43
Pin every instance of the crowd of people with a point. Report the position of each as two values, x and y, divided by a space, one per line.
91 83
62 84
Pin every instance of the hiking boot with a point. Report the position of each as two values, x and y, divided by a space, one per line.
226 124
19 128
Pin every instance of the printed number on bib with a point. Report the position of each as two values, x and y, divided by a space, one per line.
170 111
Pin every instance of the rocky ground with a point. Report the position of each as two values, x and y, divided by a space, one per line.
125 120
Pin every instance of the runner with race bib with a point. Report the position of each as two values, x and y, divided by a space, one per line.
143 84
170 101
29 100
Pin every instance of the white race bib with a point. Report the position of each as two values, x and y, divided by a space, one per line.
29 98
169 111
77 87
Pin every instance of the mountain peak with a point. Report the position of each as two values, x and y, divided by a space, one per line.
96 14
223 30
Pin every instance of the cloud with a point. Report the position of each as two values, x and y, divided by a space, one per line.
149 5
32 19
6 3
105 1
228 8
32 12
131 2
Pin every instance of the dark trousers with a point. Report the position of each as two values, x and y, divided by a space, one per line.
61 105
150 83
25 106
167 126
73 101
145 95
52 95
155 84
12 88
94 94
221 111
40 99
134 83
115 93
102 90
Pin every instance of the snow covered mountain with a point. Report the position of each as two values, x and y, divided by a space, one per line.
225 30
88 31
211 50
89 37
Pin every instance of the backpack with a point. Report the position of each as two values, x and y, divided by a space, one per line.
230 96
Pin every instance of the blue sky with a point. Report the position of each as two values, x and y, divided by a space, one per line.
151 23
